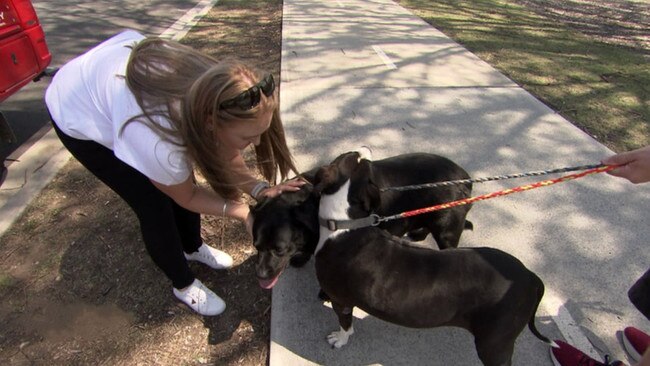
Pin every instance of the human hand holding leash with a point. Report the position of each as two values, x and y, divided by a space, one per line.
635 165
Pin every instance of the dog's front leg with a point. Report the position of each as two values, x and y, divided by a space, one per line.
339 338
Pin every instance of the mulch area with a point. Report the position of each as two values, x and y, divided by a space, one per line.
78 287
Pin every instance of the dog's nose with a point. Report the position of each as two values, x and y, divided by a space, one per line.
261 272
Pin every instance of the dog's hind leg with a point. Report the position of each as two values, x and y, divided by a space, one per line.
495 332
494 351
340 338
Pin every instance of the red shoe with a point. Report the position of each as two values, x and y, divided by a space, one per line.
635 342
567 355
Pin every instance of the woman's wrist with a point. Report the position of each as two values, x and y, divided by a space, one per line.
235 209
259 187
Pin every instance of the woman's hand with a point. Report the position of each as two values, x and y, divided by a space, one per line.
291 185
635 165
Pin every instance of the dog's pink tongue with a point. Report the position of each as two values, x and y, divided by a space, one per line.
268 284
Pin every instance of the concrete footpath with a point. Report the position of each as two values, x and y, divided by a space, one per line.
371 73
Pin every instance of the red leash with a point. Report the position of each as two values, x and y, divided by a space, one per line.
504 192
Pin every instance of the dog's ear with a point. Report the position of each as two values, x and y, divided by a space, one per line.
365 152
307 213
325 177
338 171
310 175
252 209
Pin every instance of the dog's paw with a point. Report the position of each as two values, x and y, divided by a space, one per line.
340 338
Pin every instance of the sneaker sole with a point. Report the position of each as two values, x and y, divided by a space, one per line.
215 314
205 264
191 259
555 361
629 348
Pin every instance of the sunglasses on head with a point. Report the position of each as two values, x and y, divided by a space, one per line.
251 97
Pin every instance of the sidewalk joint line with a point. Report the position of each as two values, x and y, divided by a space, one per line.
384 57
555 306
179 29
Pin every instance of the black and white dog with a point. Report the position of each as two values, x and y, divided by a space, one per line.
486 291
286 228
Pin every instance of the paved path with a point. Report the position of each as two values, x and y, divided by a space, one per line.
370 73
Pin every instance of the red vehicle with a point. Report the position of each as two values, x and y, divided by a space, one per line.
24 55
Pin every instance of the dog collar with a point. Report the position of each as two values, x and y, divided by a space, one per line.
333 225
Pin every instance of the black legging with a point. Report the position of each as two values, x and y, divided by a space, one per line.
167 229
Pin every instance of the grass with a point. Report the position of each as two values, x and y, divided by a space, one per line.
6 281
602 88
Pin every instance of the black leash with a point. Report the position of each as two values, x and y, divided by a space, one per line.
494 178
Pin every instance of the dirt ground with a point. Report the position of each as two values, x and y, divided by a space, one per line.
77 286
624 23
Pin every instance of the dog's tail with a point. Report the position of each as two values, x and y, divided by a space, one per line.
531 322
536 333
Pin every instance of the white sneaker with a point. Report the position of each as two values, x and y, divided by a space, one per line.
213 257
201 299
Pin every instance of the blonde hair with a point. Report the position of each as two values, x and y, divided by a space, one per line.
186 87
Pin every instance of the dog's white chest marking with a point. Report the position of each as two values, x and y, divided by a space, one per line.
333 207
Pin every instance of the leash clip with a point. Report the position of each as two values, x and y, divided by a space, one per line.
376 220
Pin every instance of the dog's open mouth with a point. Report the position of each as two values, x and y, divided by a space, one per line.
269 283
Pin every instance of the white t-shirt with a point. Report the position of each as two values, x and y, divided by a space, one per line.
89 100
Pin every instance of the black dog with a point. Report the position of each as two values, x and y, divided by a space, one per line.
484 290
285 228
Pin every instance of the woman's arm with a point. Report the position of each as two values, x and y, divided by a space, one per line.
203 200
249 182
